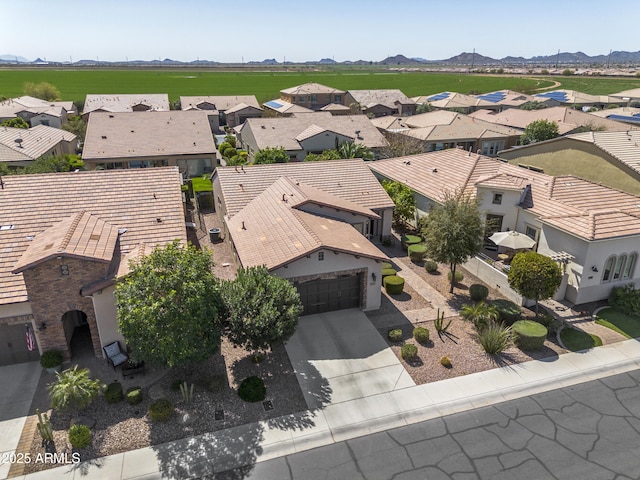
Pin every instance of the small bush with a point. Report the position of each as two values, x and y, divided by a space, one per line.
395 335
386 265
51 359
386 272
113 392
478 292
229 152
552 324
252 389
421 334
407 240
430 266
223 146
508 311
79 436
417 252
459 276
626 298
494 338
445 362
394 285
133 395
161 410
529 335
409 351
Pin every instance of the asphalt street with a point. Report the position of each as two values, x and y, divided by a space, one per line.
588 431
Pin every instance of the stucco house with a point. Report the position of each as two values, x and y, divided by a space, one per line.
302 134
379 103
19 146
125 102
593 231
312 223
224 110
36 111
64 239
454 101
312 95
143 139
611 158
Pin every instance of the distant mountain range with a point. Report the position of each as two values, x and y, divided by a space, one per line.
465 58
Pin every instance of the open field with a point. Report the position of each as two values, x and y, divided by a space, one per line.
75 84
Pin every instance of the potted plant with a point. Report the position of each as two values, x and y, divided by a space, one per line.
52 361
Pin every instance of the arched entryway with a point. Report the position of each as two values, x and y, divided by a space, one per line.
78 334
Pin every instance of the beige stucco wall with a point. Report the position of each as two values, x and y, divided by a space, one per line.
104 304
335 263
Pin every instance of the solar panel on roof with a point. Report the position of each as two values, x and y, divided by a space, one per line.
555 95
439 96
493 97
273 104
623 118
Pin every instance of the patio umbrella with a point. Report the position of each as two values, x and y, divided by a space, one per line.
512 240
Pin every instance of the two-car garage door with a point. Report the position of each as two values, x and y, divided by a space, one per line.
13 345
320 296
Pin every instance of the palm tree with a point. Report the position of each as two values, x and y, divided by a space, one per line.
480 314
355 150
74 389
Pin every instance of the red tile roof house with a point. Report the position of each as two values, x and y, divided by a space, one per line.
150 139
312 223
592 230
64 239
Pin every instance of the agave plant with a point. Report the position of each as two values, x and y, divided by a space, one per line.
74 389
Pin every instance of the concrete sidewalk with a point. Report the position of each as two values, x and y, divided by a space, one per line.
258 442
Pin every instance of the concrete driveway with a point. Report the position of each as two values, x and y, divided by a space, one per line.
19 383
340 356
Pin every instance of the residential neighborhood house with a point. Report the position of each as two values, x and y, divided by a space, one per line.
35 111
140 139
64 239
593 231
129 102
456 102
19 146
313 96
308 133
312 223
379 103
509 99
224 110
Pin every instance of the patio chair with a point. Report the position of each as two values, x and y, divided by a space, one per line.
114 354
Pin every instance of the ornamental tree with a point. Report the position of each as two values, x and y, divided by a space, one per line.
15 122
539 131
271 155
534 276
402 196
42 90
262 309
453 230
169 305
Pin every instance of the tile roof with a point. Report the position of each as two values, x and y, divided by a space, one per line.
446 100
82 235
507 98
270 230
310 88
567 119
241 106
221 102
33 142
274 132
144 134
577 206
388 98
571 97
283 107
445 125
335 107
158 102
145 202
347 179
12 106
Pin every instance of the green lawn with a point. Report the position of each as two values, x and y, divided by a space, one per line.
627 325
576 340
201 184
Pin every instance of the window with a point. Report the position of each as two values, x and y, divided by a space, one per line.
497 199
619 264
301 99
337 99
608 267
619 267
532 232
629 267
313 99
320 256
492 148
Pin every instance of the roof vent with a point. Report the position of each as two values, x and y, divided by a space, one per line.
104 137
435 170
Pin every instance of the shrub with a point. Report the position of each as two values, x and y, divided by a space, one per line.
229 152
386 265
113 392
417 252
407 240
223 146
478 292
394 285
529 335
445 362
252 389
459 276
552 324
508 311
51 359
231 140
161 410
133 395
386 272
409 351
387 241
494 338
430 266
395 335
480 314
421 334
79 436
626 298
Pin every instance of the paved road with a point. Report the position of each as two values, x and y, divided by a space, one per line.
589 431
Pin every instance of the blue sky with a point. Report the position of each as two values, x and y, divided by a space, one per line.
228 31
